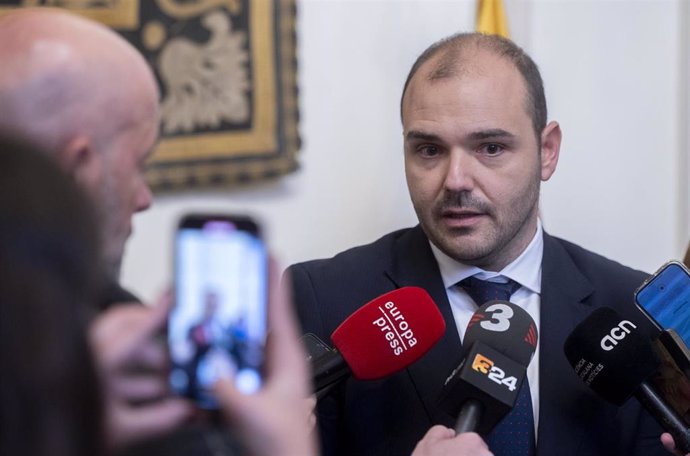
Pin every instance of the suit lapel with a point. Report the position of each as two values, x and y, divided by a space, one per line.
563 306
564 404
413 264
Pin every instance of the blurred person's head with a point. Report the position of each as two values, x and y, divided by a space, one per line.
87 97
49 274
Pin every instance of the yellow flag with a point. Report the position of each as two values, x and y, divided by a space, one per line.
491 18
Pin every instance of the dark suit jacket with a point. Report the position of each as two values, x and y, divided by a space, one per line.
388 417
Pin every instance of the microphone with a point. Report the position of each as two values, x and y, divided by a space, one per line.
382 337
616 360
501 338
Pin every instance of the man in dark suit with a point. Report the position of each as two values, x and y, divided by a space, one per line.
477 146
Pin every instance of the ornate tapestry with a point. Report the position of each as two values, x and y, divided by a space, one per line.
226 70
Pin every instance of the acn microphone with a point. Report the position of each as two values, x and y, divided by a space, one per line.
381 338
500 339
612 356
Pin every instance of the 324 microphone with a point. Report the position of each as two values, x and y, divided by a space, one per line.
381 338
501 338
613 358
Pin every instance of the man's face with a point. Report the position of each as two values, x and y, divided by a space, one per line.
472 161
124 190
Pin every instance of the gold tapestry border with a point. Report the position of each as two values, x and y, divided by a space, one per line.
125 15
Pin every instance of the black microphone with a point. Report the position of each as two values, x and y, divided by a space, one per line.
327 366
382 337
500 340
613 357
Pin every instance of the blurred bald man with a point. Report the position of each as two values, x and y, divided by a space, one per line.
84 94
87 97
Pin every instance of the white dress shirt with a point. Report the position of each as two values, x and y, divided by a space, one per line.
525 270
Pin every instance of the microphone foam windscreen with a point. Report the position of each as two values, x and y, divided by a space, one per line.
610 354
389 333
505 327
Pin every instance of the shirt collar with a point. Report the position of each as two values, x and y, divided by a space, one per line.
525 269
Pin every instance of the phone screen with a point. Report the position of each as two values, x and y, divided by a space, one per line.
217 328
665 299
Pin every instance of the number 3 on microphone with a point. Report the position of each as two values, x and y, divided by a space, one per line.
500 318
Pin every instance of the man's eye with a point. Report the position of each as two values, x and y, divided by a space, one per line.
428 151
492 149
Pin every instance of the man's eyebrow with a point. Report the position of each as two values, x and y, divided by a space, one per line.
420 135
495 133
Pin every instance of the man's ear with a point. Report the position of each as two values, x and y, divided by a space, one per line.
79 159
550 149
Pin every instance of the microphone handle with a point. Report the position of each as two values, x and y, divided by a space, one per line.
323 391
468 419
666 416
328 370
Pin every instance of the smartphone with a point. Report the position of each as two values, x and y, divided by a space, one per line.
217 328
665 299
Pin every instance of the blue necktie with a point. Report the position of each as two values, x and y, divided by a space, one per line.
514 435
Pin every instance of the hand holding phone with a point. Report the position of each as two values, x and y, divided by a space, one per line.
127 352
279 419
217 327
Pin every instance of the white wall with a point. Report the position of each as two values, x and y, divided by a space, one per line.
612 78
615 78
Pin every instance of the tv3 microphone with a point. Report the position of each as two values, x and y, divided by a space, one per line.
612 356
501 338
381 338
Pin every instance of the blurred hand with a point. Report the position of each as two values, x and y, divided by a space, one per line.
310 406
278 420
670 444
133 366
442 441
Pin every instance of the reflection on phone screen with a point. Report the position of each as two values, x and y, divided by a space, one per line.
217 328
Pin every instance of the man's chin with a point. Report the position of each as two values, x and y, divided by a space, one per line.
470 257
467 246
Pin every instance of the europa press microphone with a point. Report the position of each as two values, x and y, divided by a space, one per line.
381 338
613 358
501 338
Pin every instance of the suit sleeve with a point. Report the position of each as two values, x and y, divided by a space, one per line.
309 314
305 301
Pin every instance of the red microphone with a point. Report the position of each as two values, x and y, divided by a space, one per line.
382 337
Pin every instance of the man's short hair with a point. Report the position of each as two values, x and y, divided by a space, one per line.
453 48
